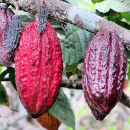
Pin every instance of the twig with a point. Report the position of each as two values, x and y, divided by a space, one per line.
78 85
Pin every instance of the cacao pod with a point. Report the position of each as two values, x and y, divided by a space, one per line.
42 18
104 73
14 34
6 15
38 68
49 122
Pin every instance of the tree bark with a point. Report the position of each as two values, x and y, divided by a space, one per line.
67 13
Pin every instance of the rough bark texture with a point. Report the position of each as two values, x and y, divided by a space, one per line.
65 12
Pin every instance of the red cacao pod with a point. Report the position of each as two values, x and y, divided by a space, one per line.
38 68
49 122
104 73
6 15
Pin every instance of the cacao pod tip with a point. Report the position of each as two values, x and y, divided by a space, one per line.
98 115
100 118
40 28
36 116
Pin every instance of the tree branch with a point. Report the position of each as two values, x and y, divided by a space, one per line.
67 13
78 85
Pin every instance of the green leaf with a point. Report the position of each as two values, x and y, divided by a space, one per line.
74 46
52 21
27 18
116 5
127 53
126 16
120 23
3 95
96 1
128 70
86 4
73 68
71 29
3 74
62 111
0 68
23 25
12 78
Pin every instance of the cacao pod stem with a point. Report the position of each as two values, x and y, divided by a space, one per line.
42 18
14 34
14 31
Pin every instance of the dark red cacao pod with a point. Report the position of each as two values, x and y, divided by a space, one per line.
6 15
104 73
38 68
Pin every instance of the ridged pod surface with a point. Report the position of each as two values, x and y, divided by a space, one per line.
38 68
104 73
6 15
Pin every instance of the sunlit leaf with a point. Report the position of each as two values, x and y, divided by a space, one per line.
116 5
74 46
